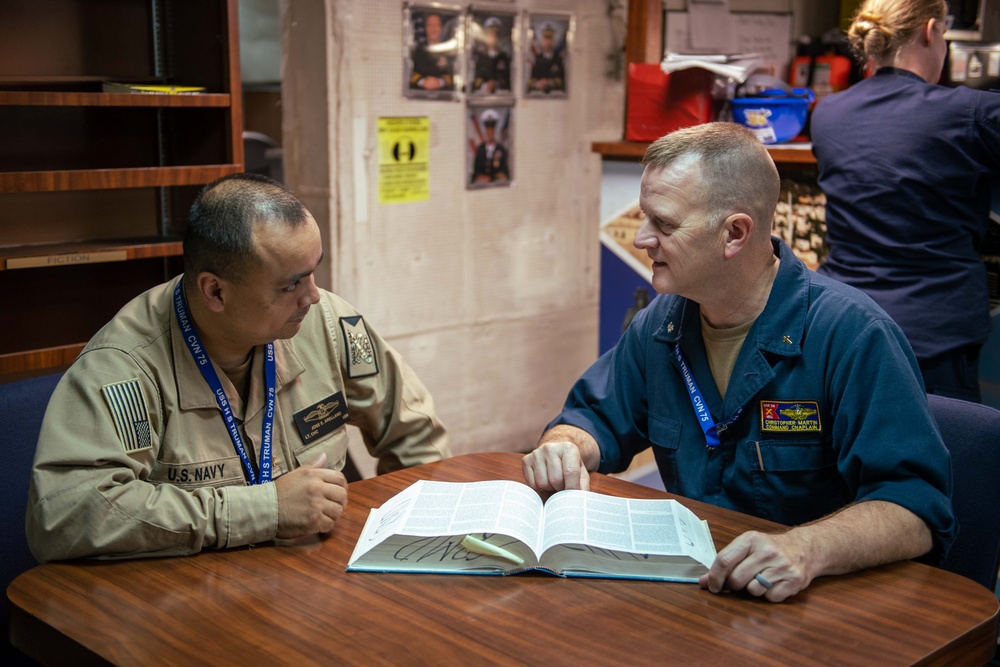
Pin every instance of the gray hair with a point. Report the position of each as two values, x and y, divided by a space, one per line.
738 173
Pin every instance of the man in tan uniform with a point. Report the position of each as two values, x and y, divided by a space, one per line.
160 439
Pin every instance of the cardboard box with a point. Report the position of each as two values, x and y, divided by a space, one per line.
660 103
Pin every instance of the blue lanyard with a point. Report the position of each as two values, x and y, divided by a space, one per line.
708 425
212 378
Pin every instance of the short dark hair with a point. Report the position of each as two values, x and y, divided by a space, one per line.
219 237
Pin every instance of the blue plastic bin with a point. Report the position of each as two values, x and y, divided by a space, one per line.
775 116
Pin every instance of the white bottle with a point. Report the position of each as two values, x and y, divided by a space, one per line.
975 66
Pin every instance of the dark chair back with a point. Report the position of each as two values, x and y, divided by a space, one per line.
972 434
22 406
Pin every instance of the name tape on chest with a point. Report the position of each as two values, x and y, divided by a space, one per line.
790 416
129 413
321 418
200 474
361 361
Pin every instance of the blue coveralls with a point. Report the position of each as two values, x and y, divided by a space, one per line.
833 408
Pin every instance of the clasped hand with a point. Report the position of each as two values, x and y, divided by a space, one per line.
310 500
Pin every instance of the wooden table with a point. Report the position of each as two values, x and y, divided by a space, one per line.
296 605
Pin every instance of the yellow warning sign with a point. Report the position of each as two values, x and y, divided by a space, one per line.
404 159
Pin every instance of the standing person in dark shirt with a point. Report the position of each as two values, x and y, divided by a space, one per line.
906 166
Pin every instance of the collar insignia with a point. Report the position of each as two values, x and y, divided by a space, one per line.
361 361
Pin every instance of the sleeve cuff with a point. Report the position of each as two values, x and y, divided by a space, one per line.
249 515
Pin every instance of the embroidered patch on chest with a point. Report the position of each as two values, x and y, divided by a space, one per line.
361 360
321 418
129 413
789 416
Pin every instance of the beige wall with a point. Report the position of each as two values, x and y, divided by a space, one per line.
491 295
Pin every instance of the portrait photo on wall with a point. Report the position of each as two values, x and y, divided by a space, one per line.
490 133
546 54
491 52
433 39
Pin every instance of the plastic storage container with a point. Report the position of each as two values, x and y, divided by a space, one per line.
774 115
660 103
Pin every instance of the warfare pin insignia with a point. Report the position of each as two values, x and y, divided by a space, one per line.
321 418
361 360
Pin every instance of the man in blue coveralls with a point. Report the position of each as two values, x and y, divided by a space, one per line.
761 386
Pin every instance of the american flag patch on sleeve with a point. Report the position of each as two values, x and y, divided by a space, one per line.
128 410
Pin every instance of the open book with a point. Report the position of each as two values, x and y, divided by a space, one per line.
502 527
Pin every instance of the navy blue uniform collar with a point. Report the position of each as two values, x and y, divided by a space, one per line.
779 328
886 71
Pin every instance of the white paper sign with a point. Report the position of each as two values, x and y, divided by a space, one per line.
766 34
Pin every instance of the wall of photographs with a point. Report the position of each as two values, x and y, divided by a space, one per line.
489 292
486 56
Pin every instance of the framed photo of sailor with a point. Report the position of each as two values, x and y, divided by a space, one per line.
490 138
433 38
491 46
546 54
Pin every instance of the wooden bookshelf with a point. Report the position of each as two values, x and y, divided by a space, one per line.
95 187
89 99
89 252
21 365
107 179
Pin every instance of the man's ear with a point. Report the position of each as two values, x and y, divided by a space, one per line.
736 230
210 290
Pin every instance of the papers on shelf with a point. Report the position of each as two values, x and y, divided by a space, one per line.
735 66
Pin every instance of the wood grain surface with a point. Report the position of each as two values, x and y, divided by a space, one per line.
295 604
96 179
49 98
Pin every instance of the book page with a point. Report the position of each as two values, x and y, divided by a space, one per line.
431 509
385 520
504 507
661 527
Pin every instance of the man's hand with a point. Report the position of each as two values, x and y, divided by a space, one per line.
779 560
862 535
310 500
555 466
562 459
